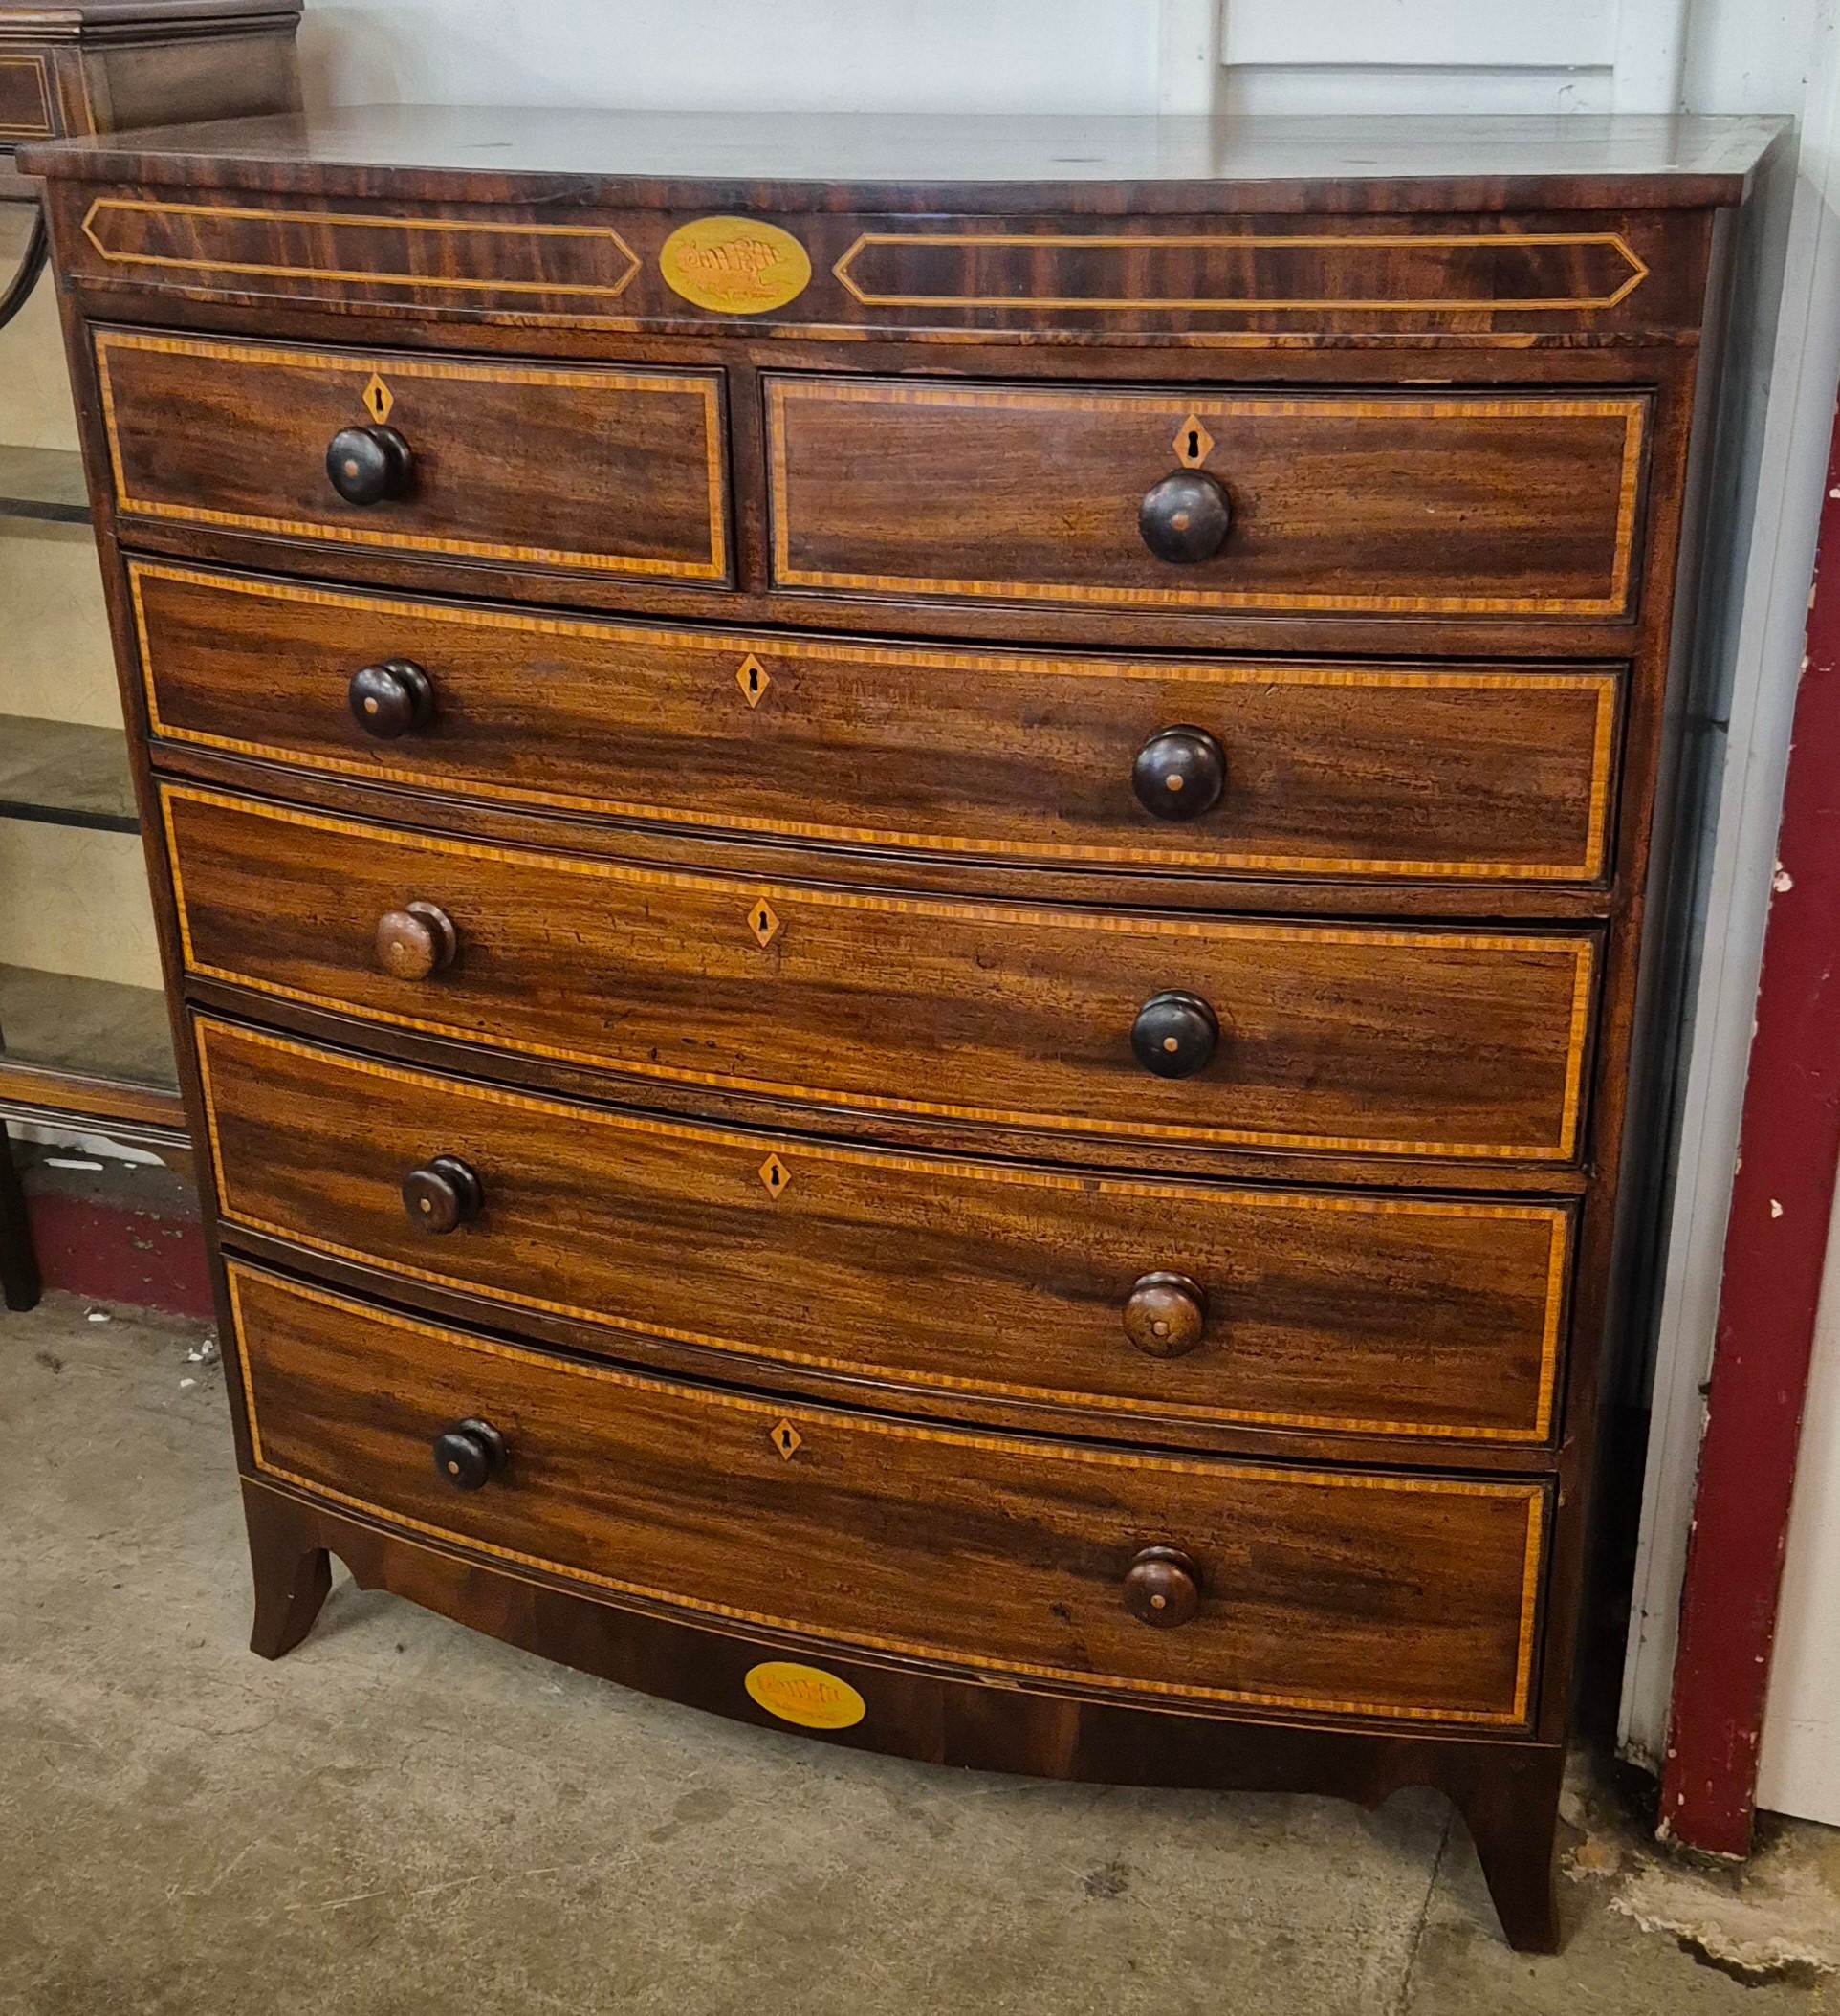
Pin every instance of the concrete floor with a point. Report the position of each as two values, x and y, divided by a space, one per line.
400 1815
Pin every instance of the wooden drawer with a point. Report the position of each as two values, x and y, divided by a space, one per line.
601 471
1473 772
1320 1591
1327 1311
29 108
1376 503
1447 1044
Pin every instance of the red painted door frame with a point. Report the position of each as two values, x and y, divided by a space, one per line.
1775 1252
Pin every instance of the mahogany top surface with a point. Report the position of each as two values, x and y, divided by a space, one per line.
1098 165
59 20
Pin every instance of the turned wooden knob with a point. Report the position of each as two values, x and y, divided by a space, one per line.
387 700
1175 1035
443 1194
470 1455
1162 1587
368 464
1165 1315
1186 517
1180 774
416 941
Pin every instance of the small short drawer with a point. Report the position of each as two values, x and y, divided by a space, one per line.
1409 771
1123 1573
29 108
1364 503
1449 1043
541 466
935 1278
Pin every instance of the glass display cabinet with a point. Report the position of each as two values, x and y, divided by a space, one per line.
85 1044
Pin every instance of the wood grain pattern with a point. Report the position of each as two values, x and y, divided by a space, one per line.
611 471
1448 505
1220 215
433 255
888 899
1455 1044
1471 773
1203 274
1341 1312
1082 164
1336 1592
1506 1785
1406 274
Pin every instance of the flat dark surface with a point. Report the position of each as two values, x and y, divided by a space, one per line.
65 775
795 161
45 483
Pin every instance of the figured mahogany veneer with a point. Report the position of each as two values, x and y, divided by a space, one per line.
1383 503
1323 1591
1331 1311
907 862
609 471
1466 1045
1471 773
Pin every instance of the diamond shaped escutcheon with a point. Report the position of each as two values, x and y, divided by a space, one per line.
377 399
1192 443
753 680
763 921
786 1438
775 1175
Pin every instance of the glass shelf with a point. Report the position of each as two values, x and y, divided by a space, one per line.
87 1047
90 1055
44 484
64 774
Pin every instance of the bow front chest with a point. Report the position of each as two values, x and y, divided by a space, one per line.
903 868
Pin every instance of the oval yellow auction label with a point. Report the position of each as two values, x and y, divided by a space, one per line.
734 265
805 1695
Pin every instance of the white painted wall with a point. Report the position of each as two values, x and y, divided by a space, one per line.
1370 56
1424 55
916 55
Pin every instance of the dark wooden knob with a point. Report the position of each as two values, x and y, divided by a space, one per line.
387 700
1180 773
1186 517
416 941
368 464
470 1455
443 1194
1162 1587
1165 1315
1175 1035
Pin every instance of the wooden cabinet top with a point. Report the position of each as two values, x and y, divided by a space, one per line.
135 20
1073 164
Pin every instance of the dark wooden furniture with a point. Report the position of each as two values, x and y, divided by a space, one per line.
909 862
80 67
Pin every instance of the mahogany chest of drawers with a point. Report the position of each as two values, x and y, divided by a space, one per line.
905 870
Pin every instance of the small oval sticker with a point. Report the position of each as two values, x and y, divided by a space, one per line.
734 265
805 1695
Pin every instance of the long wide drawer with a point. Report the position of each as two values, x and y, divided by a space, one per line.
1479 772
1383 503
556 466
1182 1302
1446 1044
1338 1592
